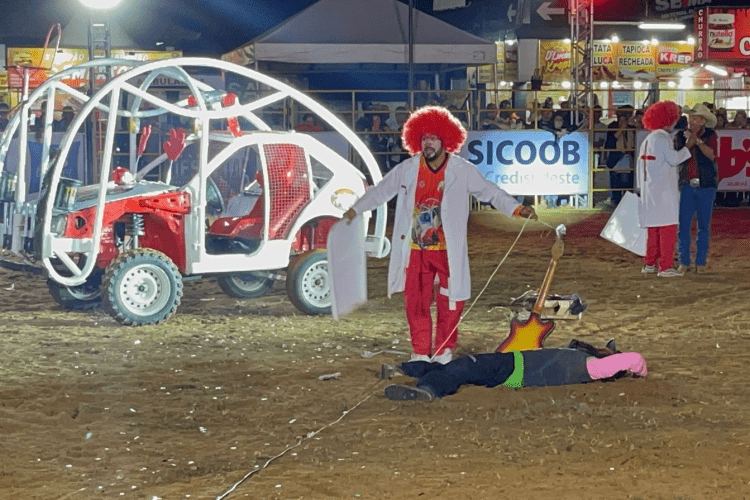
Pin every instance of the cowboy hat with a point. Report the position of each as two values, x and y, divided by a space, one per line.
702 111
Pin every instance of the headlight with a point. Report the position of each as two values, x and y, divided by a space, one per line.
58 224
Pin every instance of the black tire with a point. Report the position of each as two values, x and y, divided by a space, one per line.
244 285
85 297
141 287
308 283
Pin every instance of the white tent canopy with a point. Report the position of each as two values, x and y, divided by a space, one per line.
363 32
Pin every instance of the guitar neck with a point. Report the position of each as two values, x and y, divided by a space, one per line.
544 290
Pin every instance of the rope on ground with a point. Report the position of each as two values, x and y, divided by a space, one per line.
301 440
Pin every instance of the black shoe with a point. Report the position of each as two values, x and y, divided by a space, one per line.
611 346
408 393
589 349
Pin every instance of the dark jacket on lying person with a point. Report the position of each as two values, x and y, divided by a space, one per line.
532 368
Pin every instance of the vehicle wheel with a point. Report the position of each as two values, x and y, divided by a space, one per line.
83 297
308 283
141 287
244 285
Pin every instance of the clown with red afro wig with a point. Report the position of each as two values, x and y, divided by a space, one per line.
433 120
663 114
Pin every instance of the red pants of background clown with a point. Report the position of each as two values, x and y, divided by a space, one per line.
419 293
660 243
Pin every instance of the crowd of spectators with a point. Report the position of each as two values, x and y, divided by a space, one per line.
614 138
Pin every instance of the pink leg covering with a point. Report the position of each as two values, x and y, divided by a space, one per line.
631 362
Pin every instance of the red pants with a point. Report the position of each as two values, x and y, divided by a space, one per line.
660 243
419 293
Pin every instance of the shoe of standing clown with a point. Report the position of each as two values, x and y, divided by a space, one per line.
700 268
683 268
648 269
671 273
420 357
444 357
408 393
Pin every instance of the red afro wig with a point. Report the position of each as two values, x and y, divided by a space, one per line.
661 114
433 120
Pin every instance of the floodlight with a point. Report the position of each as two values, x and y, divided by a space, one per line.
100 4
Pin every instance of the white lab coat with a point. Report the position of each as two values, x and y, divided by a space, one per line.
461 180
657 169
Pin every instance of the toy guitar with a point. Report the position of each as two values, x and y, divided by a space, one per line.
530 334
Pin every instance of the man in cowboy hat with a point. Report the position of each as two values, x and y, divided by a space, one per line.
698 181
429 230
657 168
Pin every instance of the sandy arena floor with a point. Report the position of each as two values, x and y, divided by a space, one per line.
186 409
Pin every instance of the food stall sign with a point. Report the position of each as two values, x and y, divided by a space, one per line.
723 34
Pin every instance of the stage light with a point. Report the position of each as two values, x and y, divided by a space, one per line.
662 26
716 70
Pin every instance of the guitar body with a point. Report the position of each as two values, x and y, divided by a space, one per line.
527 335
530 334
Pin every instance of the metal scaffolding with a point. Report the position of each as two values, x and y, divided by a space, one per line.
582 47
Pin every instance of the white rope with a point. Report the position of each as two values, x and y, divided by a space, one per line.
526 221
289 448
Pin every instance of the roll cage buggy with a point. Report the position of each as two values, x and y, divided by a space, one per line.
224 196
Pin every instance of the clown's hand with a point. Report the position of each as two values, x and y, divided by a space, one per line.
528 212
349 215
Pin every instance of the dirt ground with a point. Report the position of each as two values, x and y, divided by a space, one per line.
228 390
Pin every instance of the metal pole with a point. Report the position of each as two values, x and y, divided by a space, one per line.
411 54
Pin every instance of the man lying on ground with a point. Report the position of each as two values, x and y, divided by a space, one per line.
578 363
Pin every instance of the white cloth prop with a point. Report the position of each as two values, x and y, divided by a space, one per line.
623 227
347 266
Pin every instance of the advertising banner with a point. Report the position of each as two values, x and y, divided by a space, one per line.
531 162
554 60
43 63
672 57
604 66
636 61
617 61
723 34
732 159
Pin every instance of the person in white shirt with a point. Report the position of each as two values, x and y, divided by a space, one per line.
658 171
430 226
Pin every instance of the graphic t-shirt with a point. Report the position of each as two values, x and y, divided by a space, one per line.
427 227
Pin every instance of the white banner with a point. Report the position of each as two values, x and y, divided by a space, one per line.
531 162
732 159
